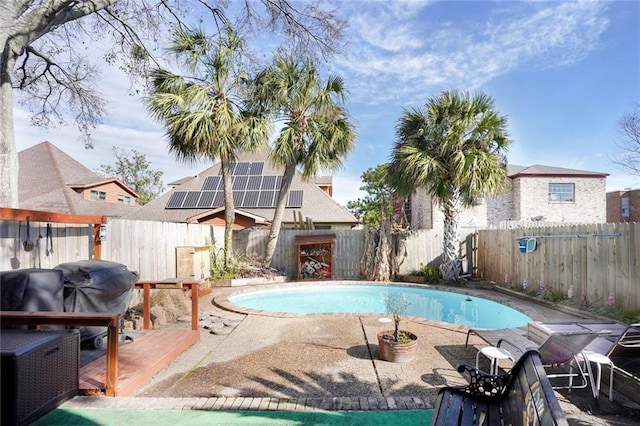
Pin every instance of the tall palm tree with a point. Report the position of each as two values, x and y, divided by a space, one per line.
206 115
316 133
455 148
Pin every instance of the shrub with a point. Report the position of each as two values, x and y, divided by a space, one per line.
396 305
238 267
554 296
431 274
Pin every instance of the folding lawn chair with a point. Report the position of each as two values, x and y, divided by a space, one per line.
557 350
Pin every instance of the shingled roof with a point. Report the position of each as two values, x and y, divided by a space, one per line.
314 203
514 171
47 178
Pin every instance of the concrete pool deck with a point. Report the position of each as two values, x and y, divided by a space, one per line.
327 361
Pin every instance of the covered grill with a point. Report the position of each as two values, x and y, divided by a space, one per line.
96 286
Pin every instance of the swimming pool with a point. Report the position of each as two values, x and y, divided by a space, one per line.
438 305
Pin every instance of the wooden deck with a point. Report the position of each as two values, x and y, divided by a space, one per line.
122 370
138 361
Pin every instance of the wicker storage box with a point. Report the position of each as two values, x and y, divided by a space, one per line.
39 370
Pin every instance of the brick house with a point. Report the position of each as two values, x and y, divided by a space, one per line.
623 206
51 180
538 193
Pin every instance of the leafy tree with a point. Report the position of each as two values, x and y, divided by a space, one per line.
43 59
455 149
316 133
204 114
629 146
132 168
379 197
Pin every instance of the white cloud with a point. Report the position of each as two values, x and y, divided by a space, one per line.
391 54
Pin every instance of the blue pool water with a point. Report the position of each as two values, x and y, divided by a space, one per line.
424 303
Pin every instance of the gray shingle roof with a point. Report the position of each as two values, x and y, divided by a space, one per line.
317 205
514 171
46 175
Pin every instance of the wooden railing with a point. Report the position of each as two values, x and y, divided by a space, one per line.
75 319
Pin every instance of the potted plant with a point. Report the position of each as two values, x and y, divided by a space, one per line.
397 345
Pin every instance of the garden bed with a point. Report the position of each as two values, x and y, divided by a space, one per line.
236 282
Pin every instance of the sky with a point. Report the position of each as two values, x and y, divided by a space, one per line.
563 73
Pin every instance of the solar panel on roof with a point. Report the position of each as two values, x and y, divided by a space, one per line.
176 199
191 201
211 183
240 183
218 199
256 168
268 183
295 198
242 169
238 196
266 199
206 199
251 199
254 183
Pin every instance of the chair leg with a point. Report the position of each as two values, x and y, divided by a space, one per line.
611 383
599 378
594 390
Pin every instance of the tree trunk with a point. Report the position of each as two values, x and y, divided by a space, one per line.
450 267
229 213
8 155
376 261
382 271
278 215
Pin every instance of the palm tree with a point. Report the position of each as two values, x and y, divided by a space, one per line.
206 115
316 133
455 147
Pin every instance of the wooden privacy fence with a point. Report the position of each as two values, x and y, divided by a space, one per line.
598 262
150 247
420 247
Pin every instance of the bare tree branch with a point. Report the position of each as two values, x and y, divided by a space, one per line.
47 51
629 147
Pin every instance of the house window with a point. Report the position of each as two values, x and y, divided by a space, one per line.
561 193
624 207
98 195
124 199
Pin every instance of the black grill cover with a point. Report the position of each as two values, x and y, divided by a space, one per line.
97 286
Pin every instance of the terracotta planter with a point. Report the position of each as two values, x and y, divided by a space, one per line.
396 352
